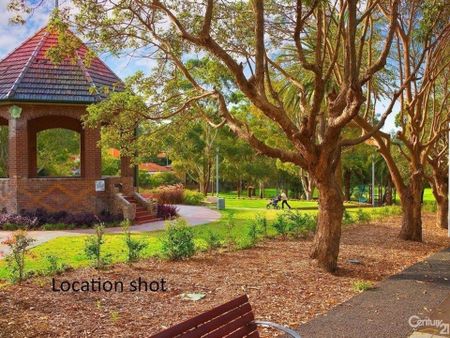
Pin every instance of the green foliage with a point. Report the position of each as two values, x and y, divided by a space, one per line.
281 225
135 247
178 242
347 218
54 265
148 180
93 248
213 240
262 224
230 224
58 226
300 224
362 216
110 164
19 243
253 233
58 153
362 285
191 197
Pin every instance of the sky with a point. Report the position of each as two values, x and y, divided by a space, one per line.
11 36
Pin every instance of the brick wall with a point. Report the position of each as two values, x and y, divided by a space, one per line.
24 191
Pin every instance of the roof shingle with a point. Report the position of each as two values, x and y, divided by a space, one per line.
27 74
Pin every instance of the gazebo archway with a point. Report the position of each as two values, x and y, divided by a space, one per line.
37 125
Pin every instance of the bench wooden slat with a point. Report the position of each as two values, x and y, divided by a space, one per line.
219 321
248 331
241 324
202 318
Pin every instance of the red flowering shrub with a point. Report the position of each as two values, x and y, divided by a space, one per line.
169 194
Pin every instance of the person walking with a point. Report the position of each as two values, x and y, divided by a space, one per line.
284 200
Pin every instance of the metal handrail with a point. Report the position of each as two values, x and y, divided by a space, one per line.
279 327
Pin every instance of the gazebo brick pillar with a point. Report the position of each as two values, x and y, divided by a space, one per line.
91 154
125 167
18 156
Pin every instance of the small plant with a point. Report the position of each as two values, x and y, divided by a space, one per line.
167 211
281 226
347 218
93 247
193 197
362 285
213 241
54 265
300 224
362 216
178 242
253 232
229 226
263 225
19 243
135 246
115 315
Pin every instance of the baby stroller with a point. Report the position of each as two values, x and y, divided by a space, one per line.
273 203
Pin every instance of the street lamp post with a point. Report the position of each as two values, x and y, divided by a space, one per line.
217 171
373 180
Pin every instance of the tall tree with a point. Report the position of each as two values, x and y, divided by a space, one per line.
422 55
317 46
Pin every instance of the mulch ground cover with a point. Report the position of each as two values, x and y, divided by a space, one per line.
283 284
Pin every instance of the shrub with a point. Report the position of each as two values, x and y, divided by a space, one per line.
55 266
158 179
229 226
178 242
362 285
262 224
93 246
14 222
84 219
166 211
347 218
280 225
169 194
213 241
300 225
57 226
134 246
362 216
19 243
191 197
253 232
201 245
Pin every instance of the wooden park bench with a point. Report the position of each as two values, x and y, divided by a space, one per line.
234 319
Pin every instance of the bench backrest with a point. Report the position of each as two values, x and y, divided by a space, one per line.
232 320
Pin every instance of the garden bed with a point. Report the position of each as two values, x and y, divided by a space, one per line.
283 285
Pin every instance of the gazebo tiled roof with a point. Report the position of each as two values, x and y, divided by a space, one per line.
27 75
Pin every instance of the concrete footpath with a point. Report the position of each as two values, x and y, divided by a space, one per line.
397 307
194 215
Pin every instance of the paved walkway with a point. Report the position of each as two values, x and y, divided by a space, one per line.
195 215
386 310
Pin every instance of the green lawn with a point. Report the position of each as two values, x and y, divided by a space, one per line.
70 250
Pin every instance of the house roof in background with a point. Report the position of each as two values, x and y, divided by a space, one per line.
27 74
153 167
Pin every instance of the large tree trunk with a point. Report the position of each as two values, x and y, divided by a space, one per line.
412 211
439 186
442 212
325 247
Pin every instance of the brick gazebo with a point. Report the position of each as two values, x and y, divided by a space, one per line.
37 95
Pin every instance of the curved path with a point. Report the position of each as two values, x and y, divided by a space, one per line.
194 215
